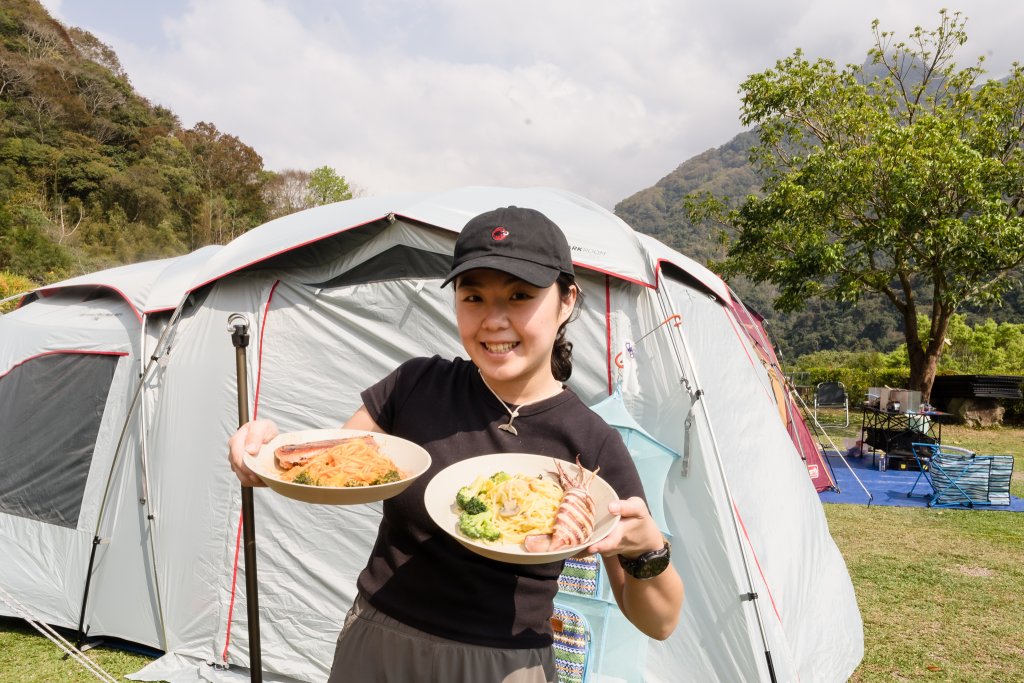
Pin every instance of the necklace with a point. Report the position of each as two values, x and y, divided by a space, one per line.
512 414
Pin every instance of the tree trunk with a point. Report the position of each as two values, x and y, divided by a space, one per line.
923 366
924 360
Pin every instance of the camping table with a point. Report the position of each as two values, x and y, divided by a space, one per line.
894 433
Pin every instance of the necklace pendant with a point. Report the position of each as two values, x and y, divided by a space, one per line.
509 428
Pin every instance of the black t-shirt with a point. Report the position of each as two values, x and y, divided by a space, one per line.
420 576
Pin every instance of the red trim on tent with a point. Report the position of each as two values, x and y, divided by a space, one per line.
285 251
746 535
741 335
64 352
771 598
657 279
806 444
255 410
610 273
234 582
51 290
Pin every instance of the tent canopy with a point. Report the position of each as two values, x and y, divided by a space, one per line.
336 297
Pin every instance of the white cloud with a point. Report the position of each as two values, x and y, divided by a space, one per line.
599 98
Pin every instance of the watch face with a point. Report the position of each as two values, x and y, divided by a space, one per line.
648 565
653 567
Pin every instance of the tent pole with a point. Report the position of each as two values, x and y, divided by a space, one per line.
842 456
238 325
80 639
145 499
97 539
697 395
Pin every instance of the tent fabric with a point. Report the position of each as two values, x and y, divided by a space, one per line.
335 298
808 447
147 287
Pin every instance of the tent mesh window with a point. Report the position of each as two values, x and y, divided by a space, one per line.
50 412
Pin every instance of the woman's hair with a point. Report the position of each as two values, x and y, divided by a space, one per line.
561 353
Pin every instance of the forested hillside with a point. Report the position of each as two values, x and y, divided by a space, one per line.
93 175
868 325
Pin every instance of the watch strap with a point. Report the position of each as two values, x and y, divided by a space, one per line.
649 564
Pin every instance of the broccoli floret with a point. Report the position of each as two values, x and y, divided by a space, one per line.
479 526
387 478
304 478
499 477
467 500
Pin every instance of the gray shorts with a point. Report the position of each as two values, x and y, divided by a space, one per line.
374 648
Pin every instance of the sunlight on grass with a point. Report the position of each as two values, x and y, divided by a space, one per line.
939 590
28 657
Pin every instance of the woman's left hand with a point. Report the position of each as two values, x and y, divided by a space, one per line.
635 534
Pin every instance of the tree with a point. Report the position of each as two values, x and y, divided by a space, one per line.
325 186
286 192
903 179
231 176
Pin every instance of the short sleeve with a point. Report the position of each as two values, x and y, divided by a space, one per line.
384 399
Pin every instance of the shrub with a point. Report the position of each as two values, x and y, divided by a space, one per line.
10 285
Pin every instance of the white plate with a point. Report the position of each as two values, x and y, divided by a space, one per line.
409 457
439 499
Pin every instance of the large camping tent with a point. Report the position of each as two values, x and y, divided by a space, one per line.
135 498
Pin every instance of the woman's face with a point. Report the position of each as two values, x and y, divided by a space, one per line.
508 328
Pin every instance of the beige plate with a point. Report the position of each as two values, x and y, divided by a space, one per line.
440 502
409 457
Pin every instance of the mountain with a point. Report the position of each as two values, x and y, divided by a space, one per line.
870 324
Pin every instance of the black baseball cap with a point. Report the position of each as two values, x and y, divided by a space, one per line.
518 241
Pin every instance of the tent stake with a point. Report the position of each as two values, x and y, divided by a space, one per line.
238 325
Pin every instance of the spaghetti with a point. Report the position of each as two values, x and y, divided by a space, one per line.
520 505
356 461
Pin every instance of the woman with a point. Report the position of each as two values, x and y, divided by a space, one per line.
427 608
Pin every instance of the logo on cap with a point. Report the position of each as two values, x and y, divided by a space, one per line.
499 233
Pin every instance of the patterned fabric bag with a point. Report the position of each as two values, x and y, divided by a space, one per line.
581 576
571 646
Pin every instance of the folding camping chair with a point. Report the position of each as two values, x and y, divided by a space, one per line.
960 477
832 395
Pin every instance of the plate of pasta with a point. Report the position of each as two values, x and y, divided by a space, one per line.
505 506
338 466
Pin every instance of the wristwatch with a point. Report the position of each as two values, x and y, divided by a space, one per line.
648 565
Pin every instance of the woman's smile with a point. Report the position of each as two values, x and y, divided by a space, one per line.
508 328
499 347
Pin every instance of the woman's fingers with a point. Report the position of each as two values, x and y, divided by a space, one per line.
631 507
636 532
249 438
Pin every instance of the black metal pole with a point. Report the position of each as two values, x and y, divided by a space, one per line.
771 667
239 328
80 640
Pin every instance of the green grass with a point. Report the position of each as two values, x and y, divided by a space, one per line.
941 592
28 657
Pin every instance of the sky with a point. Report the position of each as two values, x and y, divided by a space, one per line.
599 98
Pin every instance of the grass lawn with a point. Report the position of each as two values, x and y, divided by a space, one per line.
940 591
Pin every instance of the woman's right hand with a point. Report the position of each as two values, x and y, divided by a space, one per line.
248 440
